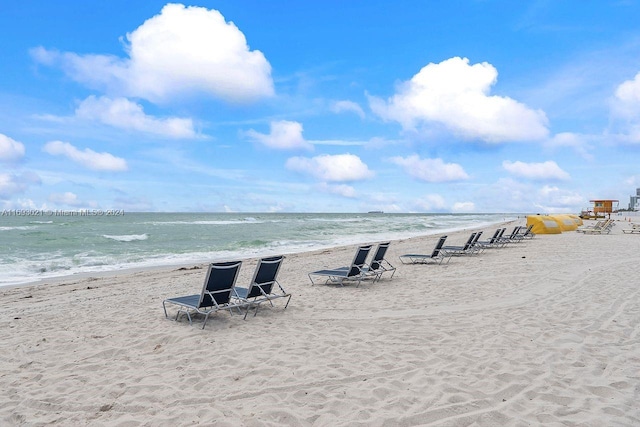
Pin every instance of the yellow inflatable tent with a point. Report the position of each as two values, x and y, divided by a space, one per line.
543 224
565 222
576 219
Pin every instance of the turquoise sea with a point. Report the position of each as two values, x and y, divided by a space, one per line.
39 245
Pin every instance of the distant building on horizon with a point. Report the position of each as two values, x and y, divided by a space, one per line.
634 202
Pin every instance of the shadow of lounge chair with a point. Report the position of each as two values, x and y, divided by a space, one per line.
438 255
355 272
215 295
264 286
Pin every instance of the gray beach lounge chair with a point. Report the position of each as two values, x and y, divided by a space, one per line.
527 233
378 265
438 255
355 272
604 228
264 286
512 238
492 242
467 249
215 296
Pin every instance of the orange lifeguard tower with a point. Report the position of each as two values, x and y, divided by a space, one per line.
600 208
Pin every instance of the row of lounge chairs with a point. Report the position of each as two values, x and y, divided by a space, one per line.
472 246
220 292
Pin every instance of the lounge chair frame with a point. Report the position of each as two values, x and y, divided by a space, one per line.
437 255
216 294
264 286
379 264
355 272
467 249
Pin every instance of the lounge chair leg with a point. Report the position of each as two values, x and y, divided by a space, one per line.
206 317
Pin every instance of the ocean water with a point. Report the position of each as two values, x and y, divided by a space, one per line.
37 246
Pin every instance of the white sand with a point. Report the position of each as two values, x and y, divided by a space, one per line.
546 332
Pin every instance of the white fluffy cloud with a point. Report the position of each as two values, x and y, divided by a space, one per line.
626 110
627 98
347 106
431 170
67 198
128 115
455 95
431 203
283 135
340 189
86 157
11 184
555 200
182 51
463 207
579 143
10 149
331 168
536 171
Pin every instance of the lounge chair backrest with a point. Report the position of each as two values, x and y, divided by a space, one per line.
495 236
469 241
439 245
219 283
265 276
379 255
359 260
502 230
475 239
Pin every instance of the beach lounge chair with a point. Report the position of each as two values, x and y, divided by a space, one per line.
264 286
355 272
527 233
602 228
512 238
597 227
438 255
216 293
379 263
475 247
492 242
467 249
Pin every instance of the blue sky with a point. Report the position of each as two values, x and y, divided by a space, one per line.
319 106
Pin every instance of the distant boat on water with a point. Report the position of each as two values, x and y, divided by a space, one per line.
378 212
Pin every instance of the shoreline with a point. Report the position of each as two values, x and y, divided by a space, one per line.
168 266
539 332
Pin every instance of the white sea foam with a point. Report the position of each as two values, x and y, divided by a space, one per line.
127 237
18 227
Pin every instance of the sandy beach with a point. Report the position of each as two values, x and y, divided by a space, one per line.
543 332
